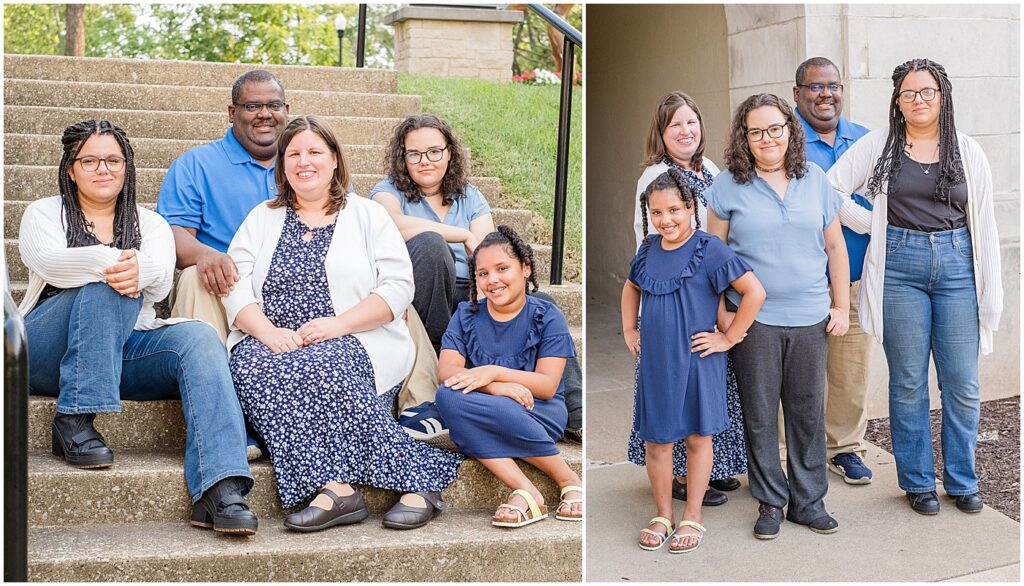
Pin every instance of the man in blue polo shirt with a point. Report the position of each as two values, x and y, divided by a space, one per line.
208 192
818 94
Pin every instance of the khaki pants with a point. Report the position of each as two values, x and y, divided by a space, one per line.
846 389
192 300
421 384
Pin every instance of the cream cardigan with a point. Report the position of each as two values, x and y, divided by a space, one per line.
366 255
44 250
850 174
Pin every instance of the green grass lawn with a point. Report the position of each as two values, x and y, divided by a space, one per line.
512 131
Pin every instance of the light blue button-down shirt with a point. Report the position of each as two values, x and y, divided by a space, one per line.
783 240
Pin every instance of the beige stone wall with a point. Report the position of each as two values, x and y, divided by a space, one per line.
454 48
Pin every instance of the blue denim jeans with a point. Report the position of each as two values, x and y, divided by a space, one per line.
930 308
83 350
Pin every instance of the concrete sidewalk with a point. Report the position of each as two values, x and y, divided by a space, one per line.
880 538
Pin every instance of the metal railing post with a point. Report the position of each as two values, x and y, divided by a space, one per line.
15 444
562 161
361 37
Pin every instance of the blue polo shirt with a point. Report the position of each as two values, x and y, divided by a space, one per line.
821 154
783 240
212 188
470 206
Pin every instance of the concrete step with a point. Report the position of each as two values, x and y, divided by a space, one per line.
195 73
521 220
457 546
159 153
30 182
176 125
171 98
148 485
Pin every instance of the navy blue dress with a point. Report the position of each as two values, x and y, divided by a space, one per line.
317 407
678 392
488 426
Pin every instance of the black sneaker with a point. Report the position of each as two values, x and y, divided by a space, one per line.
824 524
768 522
223 508
969 503
926 503
74 439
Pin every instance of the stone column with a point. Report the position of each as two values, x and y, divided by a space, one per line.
454 42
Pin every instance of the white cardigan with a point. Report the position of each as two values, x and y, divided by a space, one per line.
650 174
851 173
45 252
366 255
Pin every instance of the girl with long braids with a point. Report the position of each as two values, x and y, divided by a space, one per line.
781 216
680 275
97 263
501 365
932 283
675 140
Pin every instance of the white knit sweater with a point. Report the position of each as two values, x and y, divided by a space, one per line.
851 173
45 252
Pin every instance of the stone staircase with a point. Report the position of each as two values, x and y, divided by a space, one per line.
129 523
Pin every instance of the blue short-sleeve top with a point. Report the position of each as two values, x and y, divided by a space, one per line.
464 209
783 241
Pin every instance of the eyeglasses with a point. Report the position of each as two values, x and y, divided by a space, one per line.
253 107
816 88
433 155
773 131
927 94
113 164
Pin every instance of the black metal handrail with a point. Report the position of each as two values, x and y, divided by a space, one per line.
15 444
573 39
361 37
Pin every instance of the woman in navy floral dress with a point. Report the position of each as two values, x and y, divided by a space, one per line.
319 347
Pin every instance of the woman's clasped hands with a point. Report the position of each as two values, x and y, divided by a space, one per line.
312 332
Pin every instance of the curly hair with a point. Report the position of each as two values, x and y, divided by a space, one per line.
654 150
127 233
456 177
739 159
951 168
671 180
515 246
339 184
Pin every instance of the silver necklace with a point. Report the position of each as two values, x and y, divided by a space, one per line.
910 154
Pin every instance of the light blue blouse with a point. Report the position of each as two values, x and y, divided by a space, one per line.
464 210
783 240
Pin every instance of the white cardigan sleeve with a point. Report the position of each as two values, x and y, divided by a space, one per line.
990 304
243 250
394 268
850 175
44 249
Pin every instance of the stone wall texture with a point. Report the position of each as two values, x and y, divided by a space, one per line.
454 48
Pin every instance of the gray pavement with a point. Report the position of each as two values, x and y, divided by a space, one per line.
880 538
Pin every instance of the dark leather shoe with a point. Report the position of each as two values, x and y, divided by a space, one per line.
346 510
926 503
725 484
223 508
769 520
969 503
403 516
77 441
712 498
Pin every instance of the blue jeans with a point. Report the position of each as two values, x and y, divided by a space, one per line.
930 308
83 350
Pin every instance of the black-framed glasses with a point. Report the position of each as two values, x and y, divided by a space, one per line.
927 94
773 131
817 88
433 155
253 107
113 164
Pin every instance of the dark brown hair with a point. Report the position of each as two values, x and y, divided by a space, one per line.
738 157
671 180
951 168
515 246
339 184
654 150
453 184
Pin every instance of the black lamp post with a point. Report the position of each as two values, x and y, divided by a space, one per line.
339 25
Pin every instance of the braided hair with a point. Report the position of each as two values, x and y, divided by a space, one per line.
515 246
951 169
127 233
669 180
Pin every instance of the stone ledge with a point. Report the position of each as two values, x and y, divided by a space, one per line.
453 13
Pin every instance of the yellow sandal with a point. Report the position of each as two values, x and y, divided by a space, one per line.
680 536
570 516
535 513
664 536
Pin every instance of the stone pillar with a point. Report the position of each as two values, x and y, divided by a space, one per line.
453 41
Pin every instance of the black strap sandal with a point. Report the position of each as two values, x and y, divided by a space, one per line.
403 516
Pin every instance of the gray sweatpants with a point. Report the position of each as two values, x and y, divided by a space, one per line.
784 363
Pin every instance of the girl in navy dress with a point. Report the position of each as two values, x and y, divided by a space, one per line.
501 365
681 381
